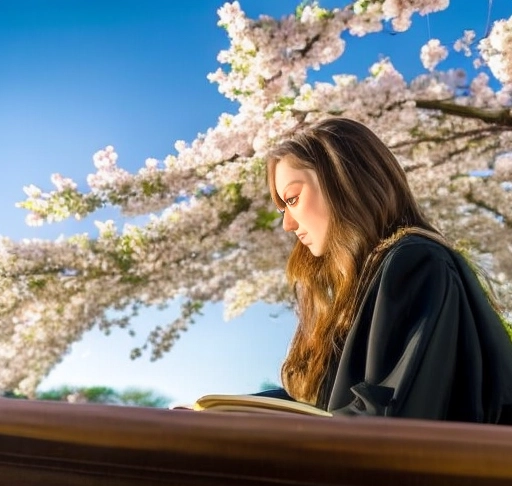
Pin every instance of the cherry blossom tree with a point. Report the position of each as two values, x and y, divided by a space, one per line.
212 233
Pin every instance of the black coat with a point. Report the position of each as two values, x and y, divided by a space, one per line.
426 343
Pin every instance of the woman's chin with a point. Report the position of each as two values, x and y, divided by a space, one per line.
315 251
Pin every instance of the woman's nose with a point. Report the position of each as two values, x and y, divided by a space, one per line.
289 224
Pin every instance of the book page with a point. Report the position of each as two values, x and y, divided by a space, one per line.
257 404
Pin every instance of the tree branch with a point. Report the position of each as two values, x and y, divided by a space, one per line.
502 117
448 138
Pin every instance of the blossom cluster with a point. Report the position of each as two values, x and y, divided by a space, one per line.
399 12
464 43
432 53
496 48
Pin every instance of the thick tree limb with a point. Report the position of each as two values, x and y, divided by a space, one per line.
502 116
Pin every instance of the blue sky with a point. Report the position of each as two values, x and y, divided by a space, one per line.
77 75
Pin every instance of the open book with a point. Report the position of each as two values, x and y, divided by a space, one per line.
257 404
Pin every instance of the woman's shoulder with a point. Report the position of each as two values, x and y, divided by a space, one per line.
412 261
418 247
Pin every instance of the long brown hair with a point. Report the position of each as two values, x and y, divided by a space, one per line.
369 200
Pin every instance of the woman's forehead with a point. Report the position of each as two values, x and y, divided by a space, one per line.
288 173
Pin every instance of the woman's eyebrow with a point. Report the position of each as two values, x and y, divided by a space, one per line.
295 181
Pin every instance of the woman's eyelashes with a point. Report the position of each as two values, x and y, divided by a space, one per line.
292 201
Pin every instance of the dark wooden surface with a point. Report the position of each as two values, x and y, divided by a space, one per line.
68 444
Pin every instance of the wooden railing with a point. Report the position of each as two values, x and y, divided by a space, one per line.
51 443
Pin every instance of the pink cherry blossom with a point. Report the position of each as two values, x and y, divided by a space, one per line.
432 53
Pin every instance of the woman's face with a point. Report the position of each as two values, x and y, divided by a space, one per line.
306 212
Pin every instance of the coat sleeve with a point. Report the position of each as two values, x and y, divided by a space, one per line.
412 340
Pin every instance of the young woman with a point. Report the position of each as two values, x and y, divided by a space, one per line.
391 320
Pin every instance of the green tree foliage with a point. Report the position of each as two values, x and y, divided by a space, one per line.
269 385
133 397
